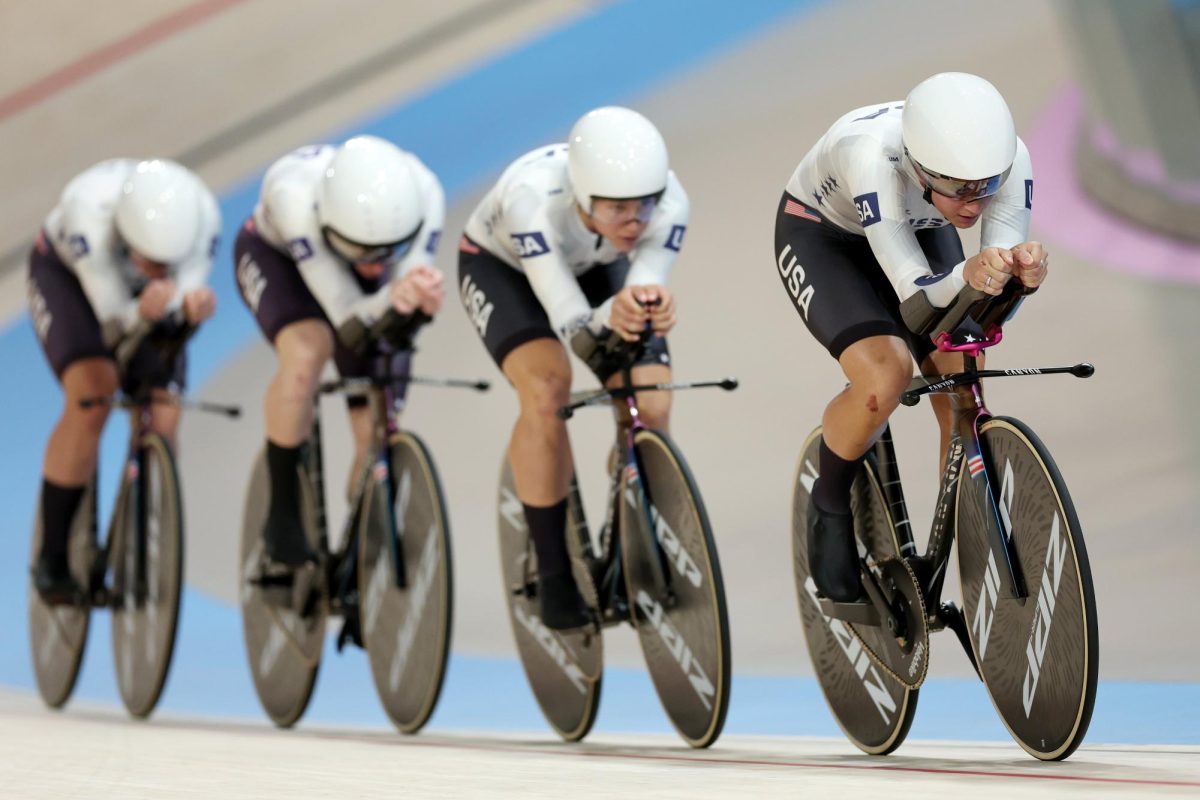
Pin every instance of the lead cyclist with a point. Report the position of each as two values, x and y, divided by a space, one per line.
869 218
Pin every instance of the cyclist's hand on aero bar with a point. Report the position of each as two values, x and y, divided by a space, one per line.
199 305
634 306
990 270
421 288
153 301
1031 261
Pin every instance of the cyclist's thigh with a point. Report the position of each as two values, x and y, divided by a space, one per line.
832 278
270 285
63 319
500 304
540 371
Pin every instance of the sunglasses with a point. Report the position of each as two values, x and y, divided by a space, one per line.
620 210
957 188
359 253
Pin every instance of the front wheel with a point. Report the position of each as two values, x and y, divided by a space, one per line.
675 589
147 557
406 616
1038 658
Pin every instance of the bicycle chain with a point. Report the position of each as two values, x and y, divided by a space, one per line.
882 663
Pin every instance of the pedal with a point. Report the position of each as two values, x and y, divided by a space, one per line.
860 612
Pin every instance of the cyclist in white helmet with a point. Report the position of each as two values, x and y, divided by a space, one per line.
128 241
574 243
869 218
342 240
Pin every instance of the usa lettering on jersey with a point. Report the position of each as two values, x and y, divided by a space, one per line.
867 206
528 245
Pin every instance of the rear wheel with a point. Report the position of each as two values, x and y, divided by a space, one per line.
147 556
283 645
1038 658
675 589
58 633
873 709
564 668
406 630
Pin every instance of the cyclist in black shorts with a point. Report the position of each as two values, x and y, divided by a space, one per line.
868 219
130 243
575 241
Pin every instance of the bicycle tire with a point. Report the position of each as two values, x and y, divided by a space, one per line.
406 631
686 641
874 711
1052 641
145 618
283 649
564 668
58 634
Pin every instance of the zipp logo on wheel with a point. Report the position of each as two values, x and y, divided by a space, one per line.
426 575
677 554
553 647
1039 637
856 654
678 648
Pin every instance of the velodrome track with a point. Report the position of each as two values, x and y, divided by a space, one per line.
739 94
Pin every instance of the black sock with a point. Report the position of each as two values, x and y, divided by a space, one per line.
282 463
59 504
548 529
831 492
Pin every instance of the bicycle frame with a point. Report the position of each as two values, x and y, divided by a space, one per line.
614 603
381 393
965 448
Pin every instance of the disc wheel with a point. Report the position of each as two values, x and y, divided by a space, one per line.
147 556
406 629
676 593
564 668
58 633
282 645
1038 658
873 709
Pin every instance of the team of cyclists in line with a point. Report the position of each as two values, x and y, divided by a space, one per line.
570 251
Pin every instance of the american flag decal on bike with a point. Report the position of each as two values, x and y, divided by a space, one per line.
975 465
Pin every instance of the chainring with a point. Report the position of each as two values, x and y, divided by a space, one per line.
906 657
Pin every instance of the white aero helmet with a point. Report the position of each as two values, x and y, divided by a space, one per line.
369 203
959 133
615 153
159 210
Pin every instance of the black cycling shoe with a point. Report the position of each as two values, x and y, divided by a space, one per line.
562 607
54 583
833 558
285 542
